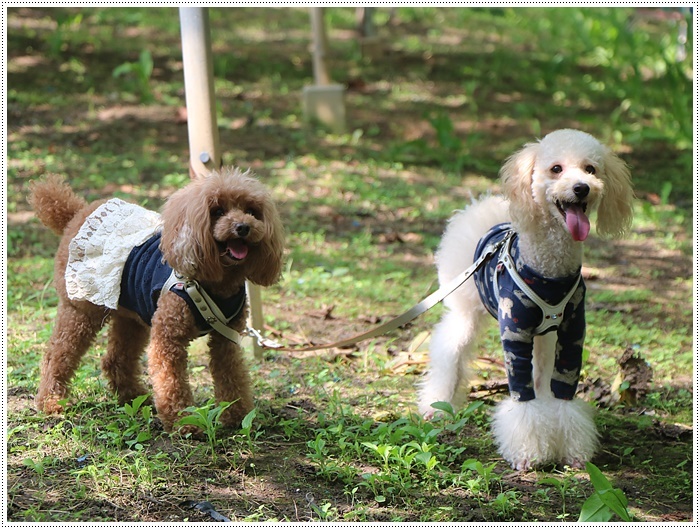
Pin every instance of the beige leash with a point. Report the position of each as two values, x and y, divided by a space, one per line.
415 311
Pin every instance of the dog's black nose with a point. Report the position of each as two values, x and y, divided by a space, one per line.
241 229
581 190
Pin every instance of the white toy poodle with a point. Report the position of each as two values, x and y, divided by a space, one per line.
533 286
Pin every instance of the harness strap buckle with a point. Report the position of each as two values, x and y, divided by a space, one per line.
204 304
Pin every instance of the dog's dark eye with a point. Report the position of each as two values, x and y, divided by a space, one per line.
254 213
217 212
557 169
590 169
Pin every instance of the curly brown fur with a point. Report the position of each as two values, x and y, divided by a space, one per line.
54 202
221 230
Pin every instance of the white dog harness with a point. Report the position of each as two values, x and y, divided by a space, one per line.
551 314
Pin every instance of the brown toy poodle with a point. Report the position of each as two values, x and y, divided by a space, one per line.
172 277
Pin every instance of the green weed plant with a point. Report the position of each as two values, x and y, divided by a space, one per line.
605 502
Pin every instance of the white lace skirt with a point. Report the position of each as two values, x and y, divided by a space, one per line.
98 252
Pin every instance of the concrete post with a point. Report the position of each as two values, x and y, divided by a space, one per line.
324 101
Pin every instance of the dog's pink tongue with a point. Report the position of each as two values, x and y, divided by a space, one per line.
577 222
238 249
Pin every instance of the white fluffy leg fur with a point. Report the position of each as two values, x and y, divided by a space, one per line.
545 430
577 432
450 352
452 343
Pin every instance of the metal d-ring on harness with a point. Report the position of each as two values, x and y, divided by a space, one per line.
415 311
205 305
552 315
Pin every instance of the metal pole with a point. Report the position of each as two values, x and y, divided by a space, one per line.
318 30
365 22
205 152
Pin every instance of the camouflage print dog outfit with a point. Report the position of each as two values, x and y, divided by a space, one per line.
522 316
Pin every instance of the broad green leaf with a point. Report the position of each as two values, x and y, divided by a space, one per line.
444 406
605 501
599 481
122 69
247 421
191 419
594 510
616 501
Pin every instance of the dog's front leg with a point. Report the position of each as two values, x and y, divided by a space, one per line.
525 425
231 379
543 363
173 328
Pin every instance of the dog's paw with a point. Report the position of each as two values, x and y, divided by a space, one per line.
574 463
521 465
51 404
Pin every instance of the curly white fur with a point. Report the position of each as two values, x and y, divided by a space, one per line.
549 186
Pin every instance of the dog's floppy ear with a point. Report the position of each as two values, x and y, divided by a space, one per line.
266 270
615 208
186 243
516 175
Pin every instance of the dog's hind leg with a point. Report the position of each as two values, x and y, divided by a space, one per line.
73 333
451 350
127 341
231 379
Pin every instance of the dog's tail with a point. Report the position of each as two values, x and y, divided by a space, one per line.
54 202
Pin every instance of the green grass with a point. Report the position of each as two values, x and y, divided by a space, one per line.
334 436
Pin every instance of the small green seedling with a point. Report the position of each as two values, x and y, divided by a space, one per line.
605 501
206 418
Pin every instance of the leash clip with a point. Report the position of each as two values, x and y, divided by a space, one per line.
261 340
